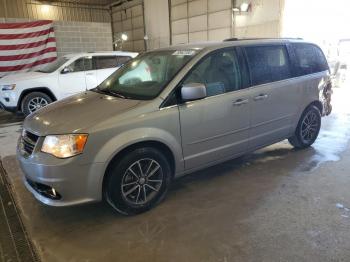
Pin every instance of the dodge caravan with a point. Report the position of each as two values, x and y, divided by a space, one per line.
170 112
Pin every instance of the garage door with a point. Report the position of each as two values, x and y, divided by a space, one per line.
200 20
130 21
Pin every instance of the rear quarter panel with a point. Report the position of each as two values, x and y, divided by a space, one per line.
312 88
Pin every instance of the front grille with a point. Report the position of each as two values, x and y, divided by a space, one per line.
28 142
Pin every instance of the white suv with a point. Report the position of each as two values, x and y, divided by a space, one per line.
68 75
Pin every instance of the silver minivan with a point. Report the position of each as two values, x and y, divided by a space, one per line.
170 112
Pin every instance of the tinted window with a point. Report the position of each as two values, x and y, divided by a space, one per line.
81 64
88 64
104 62
268 63
219 72
122 60
309 59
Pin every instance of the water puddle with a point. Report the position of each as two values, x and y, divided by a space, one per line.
334 135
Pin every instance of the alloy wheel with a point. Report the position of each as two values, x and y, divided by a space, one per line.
309 127
142 181
36 103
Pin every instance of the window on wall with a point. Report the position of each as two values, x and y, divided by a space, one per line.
309 59
268 63
220 72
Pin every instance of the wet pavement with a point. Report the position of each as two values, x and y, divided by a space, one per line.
276 204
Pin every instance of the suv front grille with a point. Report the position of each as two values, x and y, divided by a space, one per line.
28 142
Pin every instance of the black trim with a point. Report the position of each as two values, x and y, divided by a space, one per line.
44 190
12 109
262 38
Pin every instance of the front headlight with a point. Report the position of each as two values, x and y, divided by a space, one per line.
8 87
63 146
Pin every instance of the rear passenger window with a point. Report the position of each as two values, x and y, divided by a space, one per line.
122 60
309 59
268 63
104 62
220 72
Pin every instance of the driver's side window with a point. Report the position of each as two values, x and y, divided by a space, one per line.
219 72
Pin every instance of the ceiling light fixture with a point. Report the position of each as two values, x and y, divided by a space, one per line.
124 37
243 8
45 8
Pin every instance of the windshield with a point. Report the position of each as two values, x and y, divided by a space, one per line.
54 66
144 77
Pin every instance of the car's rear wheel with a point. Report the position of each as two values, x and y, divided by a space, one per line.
138 181
308 128
34 101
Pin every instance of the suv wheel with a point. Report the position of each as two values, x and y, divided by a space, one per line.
308 128
34 101
138 181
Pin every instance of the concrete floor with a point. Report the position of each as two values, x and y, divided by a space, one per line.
276 204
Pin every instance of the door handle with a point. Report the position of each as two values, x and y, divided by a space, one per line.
89 74
240 102
260 97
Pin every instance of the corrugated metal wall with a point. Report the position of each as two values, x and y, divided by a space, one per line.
200 20
63 12
130 21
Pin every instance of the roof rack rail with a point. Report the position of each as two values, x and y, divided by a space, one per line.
262 38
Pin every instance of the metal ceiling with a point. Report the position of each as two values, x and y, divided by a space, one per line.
88 2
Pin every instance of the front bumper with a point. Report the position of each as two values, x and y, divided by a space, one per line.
74 182
8 101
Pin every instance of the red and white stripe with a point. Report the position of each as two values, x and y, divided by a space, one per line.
26 46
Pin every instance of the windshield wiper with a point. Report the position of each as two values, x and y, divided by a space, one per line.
109 92
117 94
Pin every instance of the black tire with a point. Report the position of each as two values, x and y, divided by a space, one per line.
302 137
27 106
120 180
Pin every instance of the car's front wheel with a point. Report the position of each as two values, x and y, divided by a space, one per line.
34 101
138 181
308 128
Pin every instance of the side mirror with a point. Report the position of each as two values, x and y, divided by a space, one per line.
66 70
193 91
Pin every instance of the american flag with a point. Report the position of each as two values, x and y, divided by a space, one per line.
26 46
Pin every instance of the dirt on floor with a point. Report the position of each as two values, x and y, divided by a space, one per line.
276 204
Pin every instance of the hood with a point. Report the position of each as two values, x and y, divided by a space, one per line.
76 113
14 78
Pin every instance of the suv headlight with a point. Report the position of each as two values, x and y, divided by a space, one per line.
64 146
8 87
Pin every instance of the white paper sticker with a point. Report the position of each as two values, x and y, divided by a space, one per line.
184 52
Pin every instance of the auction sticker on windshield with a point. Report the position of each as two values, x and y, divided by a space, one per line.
184 52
